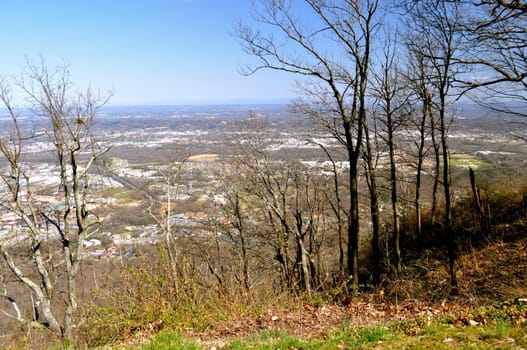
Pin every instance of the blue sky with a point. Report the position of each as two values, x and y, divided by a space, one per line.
146 51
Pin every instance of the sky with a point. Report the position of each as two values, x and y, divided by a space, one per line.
147 52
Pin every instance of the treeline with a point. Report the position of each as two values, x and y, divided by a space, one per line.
384 92
375 74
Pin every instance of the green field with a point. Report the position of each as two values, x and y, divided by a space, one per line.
467 160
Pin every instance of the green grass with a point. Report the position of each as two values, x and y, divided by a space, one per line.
269 340
168 340
446 336
466 160
438 334
115 192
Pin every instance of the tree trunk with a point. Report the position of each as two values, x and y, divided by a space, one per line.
374 205
479 204
353 225
395 206
426 111
437 168
448 201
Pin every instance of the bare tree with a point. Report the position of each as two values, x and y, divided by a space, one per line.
49 272
278 190
240 234
285 204
497 31
391 109
371 157
422 121
334 199
336 76
441 42
161 211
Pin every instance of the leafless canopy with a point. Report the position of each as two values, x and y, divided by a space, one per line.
66 122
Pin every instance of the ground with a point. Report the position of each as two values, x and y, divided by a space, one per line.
489 278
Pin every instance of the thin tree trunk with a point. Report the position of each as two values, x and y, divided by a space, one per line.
374 205
419 171
437 168
395 202
337 209
448 202
353 225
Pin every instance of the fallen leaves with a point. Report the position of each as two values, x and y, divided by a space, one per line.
307 321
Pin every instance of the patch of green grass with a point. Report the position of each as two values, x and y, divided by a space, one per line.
437 334
270 340
343 338
441 335
115 192
169 340
467 160
373 334
493 327
62 346
500 330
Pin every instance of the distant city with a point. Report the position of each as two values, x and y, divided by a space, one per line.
144 139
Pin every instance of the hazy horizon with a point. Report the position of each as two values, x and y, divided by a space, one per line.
157 52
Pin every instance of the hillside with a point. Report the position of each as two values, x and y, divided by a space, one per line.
415 312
